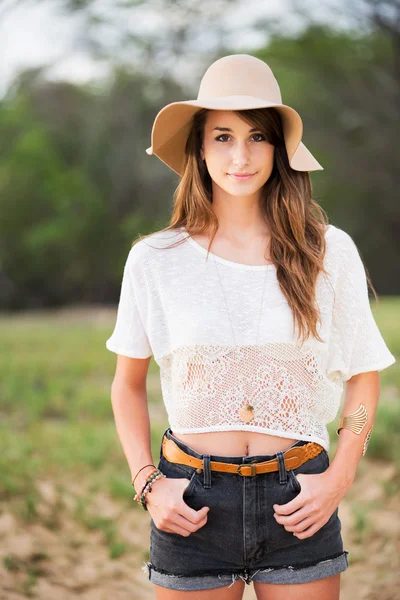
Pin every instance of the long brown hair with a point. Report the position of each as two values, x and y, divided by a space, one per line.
296 222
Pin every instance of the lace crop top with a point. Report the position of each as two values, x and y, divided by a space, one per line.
171 306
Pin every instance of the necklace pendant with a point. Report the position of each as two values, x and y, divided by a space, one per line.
246 414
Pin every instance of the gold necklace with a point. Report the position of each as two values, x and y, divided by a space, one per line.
246 413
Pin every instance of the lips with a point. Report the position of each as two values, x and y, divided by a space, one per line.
241 177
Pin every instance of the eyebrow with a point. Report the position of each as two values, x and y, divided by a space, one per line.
227 129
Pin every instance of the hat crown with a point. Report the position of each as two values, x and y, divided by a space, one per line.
239 75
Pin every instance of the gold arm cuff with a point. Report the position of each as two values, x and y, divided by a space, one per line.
356 421
367 438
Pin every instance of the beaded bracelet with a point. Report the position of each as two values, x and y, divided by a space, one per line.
147 480
147 488
140 496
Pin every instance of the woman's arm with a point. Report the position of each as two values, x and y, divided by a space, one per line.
363 388
321 493
131 414
129 401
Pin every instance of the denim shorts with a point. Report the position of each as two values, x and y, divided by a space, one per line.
241 537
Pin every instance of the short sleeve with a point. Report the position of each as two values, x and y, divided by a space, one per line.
356 344
129 336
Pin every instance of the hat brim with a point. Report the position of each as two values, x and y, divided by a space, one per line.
173 122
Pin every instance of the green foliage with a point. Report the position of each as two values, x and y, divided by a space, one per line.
72 200
77 188
385 439
107 527
344 84
361 522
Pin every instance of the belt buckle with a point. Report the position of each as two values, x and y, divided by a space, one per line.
253 468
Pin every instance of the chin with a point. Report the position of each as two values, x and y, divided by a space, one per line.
238 192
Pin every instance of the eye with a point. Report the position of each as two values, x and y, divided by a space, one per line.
218 139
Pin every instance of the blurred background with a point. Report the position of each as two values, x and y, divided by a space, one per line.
81 82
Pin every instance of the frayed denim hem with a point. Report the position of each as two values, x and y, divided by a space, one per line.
189 583
303 574
283 575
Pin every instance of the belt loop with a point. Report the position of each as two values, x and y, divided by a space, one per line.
282 467
207 471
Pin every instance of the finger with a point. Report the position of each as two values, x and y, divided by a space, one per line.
301 526
192 515
316 526
292 519
289 507
183 524
177 529
179 519
188 525
309 532
175 523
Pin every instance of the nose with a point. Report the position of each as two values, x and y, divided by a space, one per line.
240 154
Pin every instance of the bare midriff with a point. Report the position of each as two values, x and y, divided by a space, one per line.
235 443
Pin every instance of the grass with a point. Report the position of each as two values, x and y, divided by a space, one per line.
55 408
56 415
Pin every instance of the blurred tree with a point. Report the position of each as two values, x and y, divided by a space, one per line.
73 173
347 87
76 186
157 36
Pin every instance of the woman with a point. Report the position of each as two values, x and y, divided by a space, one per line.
244 489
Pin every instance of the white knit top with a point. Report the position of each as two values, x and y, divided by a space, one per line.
172 307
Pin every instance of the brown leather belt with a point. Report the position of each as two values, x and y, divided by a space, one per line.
293 458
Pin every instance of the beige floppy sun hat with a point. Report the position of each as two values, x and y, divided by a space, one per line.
234 82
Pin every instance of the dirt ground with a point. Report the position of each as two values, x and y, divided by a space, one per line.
69 561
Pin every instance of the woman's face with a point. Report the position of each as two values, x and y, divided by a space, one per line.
236 149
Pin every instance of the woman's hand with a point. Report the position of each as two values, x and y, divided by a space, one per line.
312 507
168 509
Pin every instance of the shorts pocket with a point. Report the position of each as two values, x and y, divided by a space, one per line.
190 486
295 483
179 471
315 465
